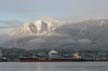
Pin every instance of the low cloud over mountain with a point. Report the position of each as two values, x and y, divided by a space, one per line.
47 34
10 23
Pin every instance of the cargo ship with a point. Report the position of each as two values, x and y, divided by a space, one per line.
53 56
48 60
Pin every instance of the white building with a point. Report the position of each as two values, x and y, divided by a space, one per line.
53 54
76 56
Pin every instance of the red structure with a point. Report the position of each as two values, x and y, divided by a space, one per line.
47 60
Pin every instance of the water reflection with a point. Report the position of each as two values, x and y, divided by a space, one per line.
71 66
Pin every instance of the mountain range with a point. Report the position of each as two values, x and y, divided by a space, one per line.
48 34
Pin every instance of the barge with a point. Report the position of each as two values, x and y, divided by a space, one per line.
53 56
48 60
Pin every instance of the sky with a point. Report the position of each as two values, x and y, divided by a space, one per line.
26 10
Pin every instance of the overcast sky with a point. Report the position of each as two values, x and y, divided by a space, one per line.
25 10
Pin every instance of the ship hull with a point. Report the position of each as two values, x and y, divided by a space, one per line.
48 60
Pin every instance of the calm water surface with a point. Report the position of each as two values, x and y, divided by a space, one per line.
54 66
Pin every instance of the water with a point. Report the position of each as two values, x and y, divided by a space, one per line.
54 66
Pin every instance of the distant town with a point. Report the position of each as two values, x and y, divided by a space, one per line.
22 55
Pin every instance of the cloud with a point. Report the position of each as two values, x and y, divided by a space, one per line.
32 10
37 40
84 41
10 23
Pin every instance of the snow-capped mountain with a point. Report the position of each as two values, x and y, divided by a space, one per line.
38 27
91 34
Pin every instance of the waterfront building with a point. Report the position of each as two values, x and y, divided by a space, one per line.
76 56
53 54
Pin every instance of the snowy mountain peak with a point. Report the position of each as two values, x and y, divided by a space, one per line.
43 26
38 27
